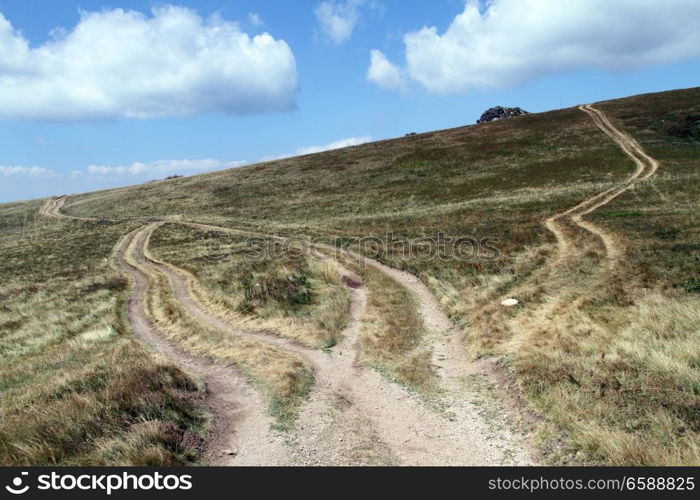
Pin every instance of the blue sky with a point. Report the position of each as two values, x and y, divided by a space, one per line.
92 98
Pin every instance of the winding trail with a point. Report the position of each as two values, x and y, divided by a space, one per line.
382 423
241 423
646 166
52 208
354 415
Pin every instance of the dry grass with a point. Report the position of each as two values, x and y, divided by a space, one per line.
648 372
590 347
76 387
303 299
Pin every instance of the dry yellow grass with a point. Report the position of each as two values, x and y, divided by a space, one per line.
217 283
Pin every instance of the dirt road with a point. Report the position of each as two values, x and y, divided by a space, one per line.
241 432
354 415
646 166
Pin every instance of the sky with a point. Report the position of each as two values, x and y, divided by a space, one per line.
106 93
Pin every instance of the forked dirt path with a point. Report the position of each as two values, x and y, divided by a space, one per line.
355 415
409 431
449 356
646 166
446 340
241 432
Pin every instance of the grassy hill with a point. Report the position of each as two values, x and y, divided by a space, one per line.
608 355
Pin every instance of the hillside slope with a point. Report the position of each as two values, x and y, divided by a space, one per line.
601 253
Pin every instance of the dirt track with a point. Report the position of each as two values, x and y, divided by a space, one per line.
52 208
240 420
646 166
354 415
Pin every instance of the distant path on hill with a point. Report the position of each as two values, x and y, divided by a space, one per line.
646 167
52 208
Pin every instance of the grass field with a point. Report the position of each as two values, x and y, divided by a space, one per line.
608 356
77 388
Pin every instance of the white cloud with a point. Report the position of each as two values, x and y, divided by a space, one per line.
384 73
510 41
342 143
19 182
255 19
338 19
161 167
120 63
156 168
19 171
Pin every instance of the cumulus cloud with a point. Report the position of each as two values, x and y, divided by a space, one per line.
19 171
121 63
160 167
510 41
385 74
338 19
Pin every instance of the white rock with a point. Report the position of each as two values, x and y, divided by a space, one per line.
510 302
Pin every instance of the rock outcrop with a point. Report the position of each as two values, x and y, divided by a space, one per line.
500 113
